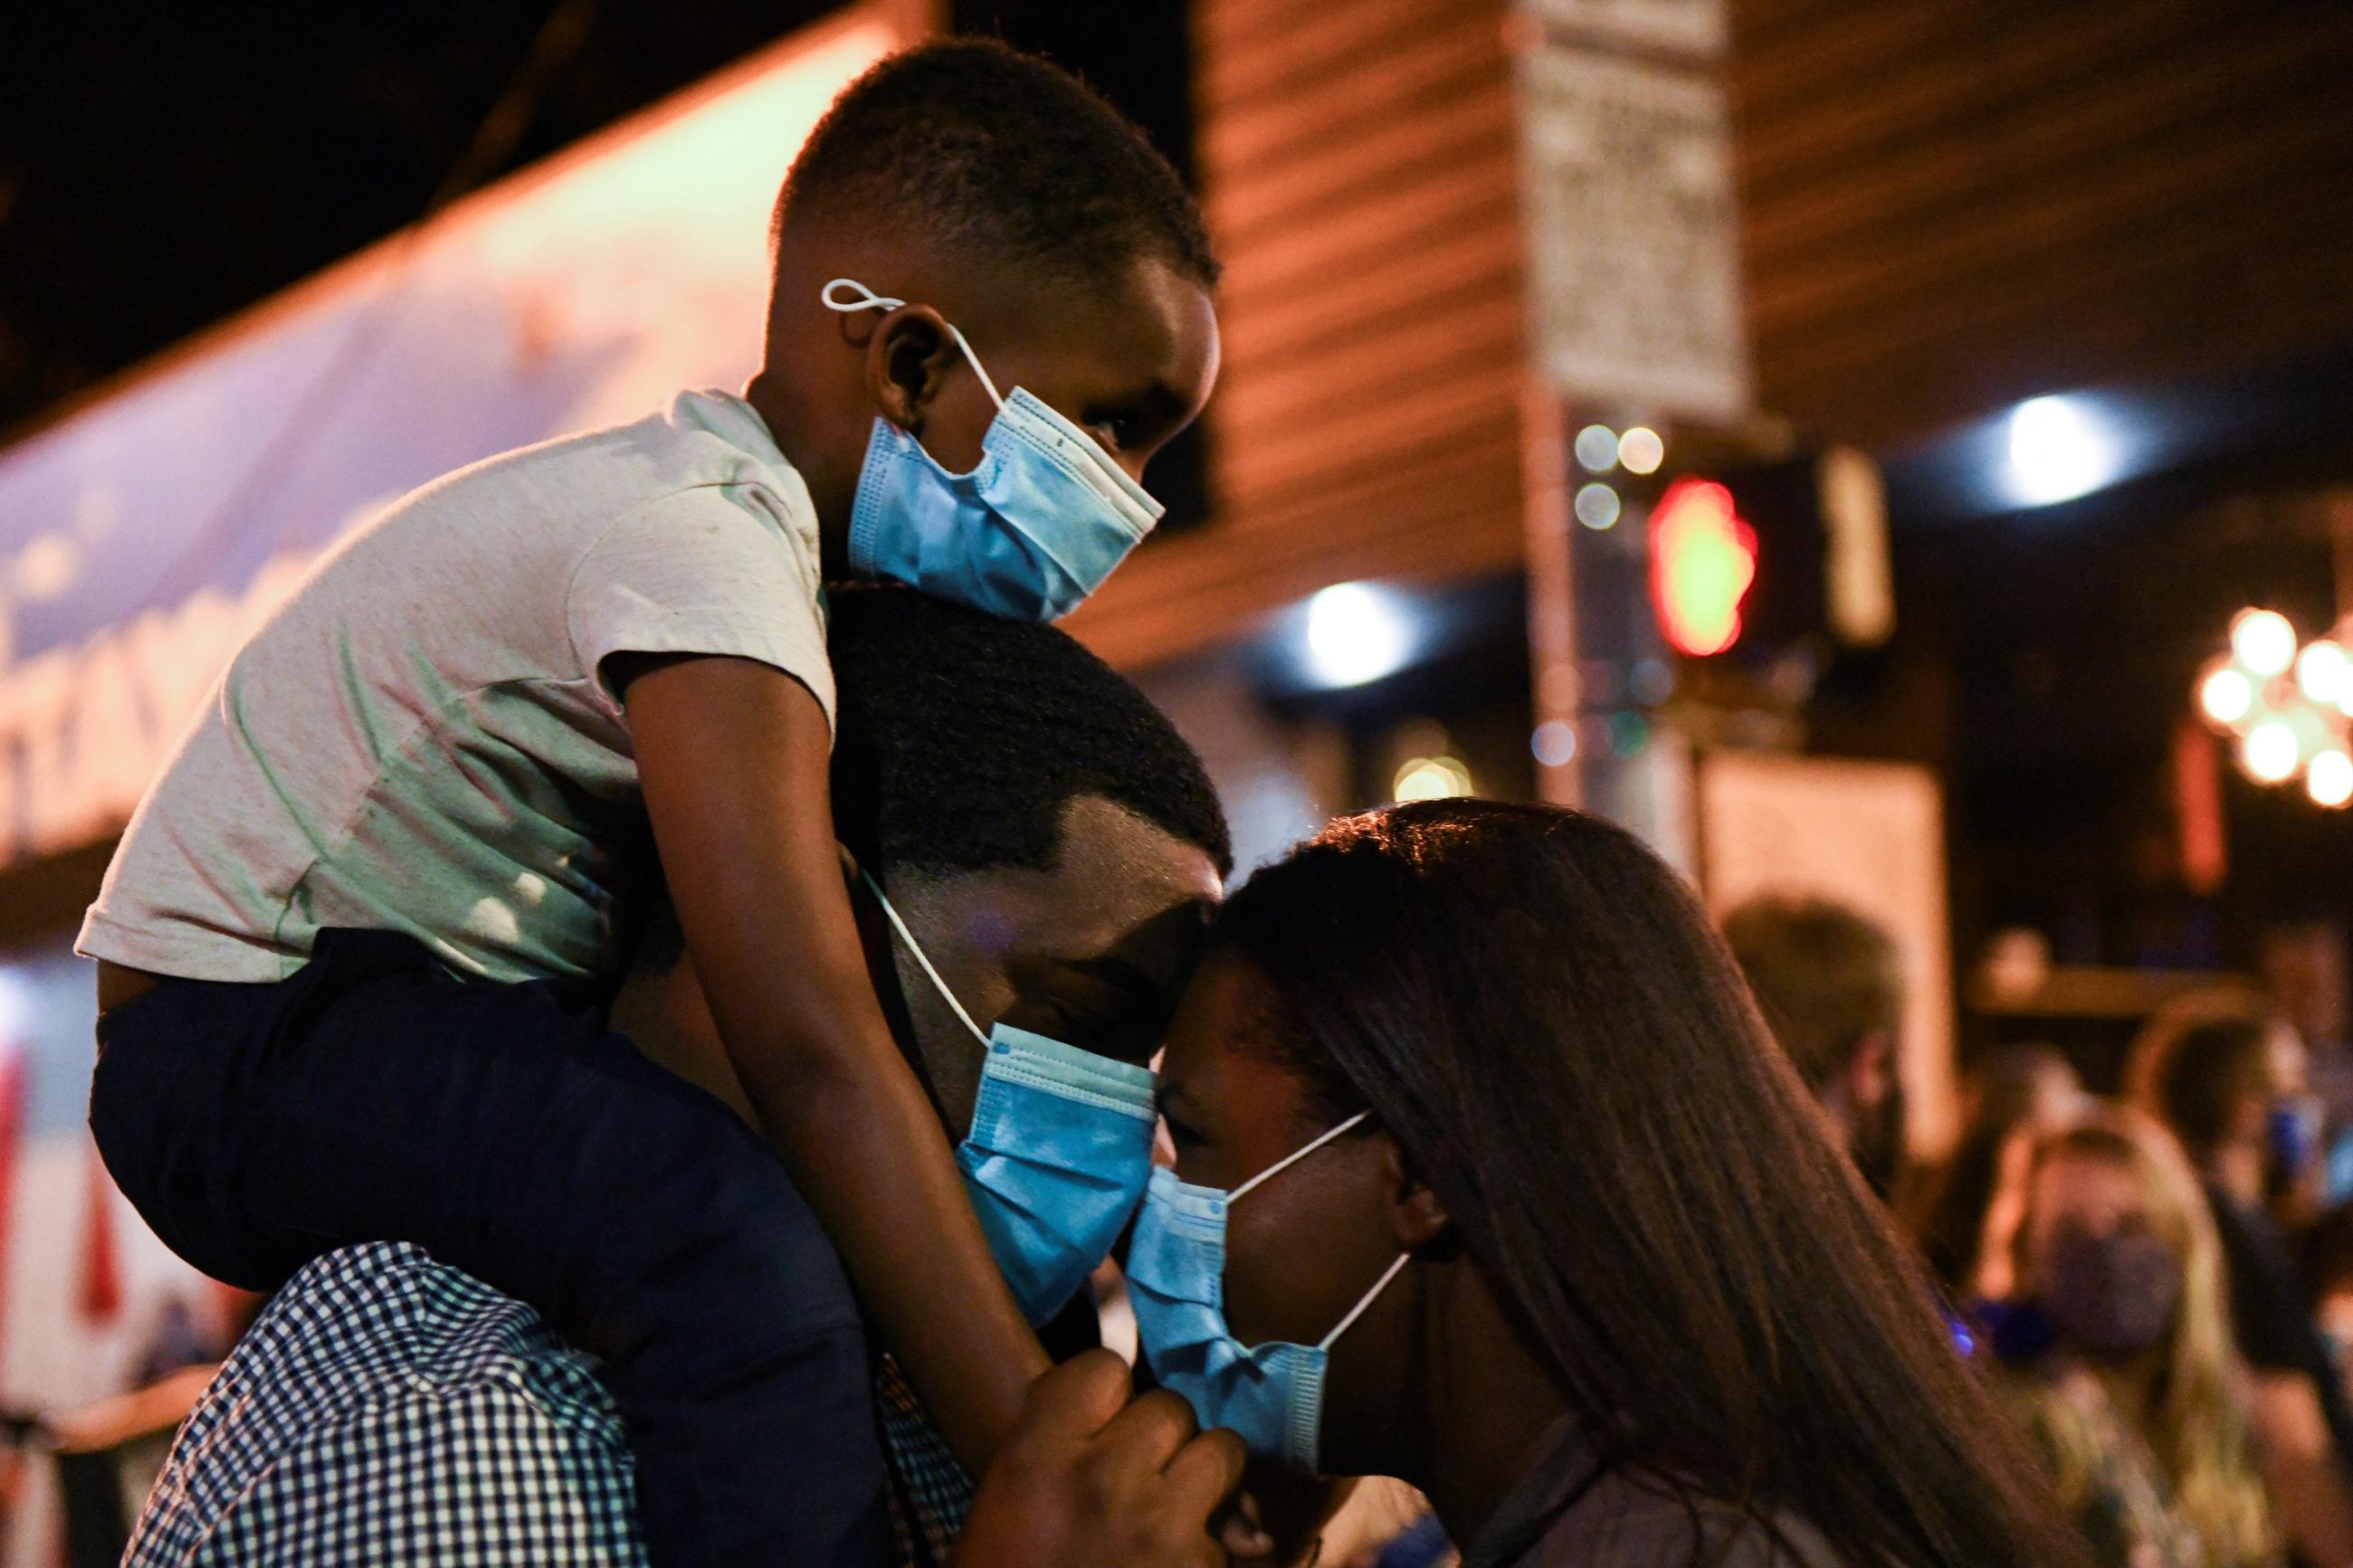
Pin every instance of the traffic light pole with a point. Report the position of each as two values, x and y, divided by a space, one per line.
1599 667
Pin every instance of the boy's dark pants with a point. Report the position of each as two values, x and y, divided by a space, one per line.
374 1097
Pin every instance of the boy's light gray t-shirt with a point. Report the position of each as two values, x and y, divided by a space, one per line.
418 740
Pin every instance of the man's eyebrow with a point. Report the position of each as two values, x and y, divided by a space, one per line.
1121 973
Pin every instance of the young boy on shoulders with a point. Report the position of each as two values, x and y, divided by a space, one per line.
354 945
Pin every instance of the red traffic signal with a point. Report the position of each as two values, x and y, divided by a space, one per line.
1702 563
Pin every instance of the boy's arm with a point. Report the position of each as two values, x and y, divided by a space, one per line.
732 755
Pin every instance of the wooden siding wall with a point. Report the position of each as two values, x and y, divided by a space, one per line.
1949 204
1946 206
1359 172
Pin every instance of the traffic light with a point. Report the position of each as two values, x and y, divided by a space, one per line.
1702 563
1749 558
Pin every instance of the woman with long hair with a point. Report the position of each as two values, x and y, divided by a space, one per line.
1489 1178
2017 1089
2135 1395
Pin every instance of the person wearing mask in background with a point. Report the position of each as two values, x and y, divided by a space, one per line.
2232 1090
2014 1090
2303 964
1830 985
2120 1363
1489 1178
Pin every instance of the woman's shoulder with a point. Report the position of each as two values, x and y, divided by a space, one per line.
1631 1521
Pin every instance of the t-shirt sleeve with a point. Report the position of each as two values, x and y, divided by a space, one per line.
704 571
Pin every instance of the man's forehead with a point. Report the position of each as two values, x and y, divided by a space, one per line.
1116 876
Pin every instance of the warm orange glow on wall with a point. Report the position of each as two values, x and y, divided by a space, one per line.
1702 562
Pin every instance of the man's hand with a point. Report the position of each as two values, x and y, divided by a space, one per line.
1091 1477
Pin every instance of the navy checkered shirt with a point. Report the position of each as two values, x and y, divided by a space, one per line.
385 1409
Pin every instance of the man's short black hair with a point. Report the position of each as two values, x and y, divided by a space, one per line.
1002 155
960 739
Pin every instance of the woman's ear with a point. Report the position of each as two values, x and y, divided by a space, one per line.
1416 1216
907 359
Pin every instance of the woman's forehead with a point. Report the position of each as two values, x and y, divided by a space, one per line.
2080 1181
1214 1052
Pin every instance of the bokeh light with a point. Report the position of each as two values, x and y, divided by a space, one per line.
2264 640
2330 779
1640 451
2058 450
1597 507
1555 742
1430 778
2226 695
1355 633
2321 669
2270 751
1596 448
1630 735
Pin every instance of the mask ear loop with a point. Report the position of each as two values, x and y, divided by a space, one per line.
868 300
1357 1310
1295 1156
921 957
1379 1285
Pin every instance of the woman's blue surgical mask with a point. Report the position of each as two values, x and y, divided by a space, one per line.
1027 535
1272 1394
1060 1148
2294 1124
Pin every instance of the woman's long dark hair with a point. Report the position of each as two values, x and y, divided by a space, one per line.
1539 1012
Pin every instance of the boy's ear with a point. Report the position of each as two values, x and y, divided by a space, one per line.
1417 1216
907 358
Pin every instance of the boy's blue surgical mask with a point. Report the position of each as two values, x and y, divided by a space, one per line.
1060 1148
1272 1394
1027 535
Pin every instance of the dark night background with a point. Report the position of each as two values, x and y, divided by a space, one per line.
163 167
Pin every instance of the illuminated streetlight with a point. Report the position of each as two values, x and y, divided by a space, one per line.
2270 751
1355 633
2264 641
2058 450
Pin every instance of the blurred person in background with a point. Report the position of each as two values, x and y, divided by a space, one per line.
2234 1093
1830 985
2133 1391
2017 1089
1489 1178
2304 968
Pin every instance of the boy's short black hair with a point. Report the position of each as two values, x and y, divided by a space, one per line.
1001 155
960 738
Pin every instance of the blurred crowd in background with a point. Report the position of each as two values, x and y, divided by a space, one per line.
2159 1279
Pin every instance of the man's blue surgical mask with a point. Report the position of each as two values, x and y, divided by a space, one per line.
1027 535
1058 1155
1272 1394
